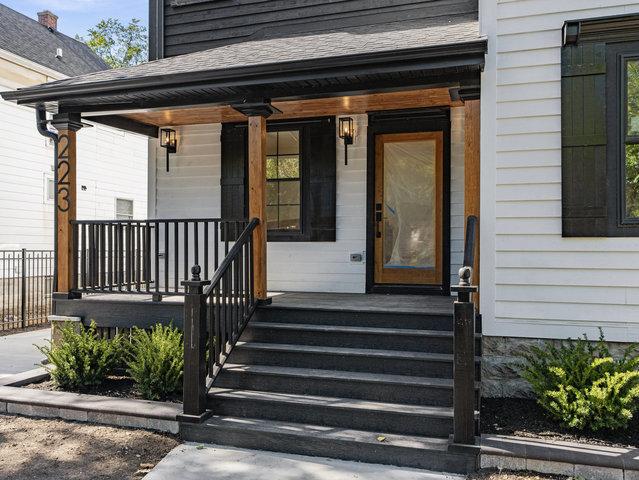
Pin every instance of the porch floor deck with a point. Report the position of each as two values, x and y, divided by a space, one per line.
324 301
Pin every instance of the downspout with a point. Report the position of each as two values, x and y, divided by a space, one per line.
41 125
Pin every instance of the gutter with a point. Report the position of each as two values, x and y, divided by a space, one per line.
470 53
41 125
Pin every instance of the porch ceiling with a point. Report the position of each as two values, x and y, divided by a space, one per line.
352 104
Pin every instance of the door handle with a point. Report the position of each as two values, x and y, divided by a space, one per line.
378 221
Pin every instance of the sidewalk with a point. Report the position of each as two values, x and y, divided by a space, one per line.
196 462
17 353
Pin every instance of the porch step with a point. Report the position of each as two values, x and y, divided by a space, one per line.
338 412
433 341
396 362
327 441
344 317
332 383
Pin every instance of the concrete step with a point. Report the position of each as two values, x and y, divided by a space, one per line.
332 383
338 412
328 441
397 362
433 341
379 319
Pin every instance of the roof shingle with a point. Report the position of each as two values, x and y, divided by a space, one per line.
27 38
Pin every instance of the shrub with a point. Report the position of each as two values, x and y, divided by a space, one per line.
81 359
156 361
581 385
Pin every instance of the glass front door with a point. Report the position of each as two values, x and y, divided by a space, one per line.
408 208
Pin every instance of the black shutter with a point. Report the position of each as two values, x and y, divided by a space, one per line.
322 179
234 202
583 140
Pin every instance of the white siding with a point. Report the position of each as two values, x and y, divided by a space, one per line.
534 282
192 189
111 164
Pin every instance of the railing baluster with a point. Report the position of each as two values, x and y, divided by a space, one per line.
166 257
156 275
186 250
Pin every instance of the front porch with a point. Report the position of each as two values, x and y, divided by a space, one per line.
255 189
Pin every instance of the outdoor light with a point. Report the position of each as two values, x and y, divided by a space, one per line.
168 140
346 133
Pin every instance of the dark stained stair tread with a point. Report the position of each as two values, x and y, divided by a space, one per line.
364 352
332 402
348 329
337 374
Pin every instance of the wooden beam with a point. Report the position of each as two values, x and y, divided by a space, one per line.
257 200
344 105
472 174
66 203
128 124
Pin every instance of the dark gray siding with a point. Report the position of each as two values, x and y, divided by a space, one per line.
192 25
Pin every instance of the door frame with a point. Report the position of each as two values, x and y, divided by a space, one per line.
407 121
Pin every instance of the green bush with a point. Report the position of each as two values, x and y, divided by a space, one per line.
81 359
156 361
579 383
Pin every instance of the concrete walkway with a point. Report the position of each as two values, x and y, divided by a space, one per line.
17 353
202 462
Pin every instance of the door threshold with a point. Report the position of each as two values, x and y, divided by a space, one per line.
435 290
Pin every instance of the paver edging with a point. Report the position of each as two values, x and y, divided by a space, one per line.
123 412
594 462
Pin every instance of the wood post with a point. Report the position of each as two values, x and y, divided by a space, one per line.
195 342
66 198
472 174
257 199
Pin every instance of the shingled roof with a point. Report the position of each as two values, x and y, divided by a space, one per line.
27 38
396 52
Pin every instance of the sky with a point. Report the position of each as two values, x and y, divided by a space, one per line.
77 16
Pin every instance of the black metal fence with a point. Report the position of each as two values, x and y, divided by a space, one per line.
26 287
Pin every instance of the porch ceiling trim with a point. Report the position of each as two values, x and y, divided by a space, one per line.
303 77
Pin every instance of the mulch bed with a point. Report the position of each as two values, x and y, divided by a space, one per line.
118 386
506 475
524 418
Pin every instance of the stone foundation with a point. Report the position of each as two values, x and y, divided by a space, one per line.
501 364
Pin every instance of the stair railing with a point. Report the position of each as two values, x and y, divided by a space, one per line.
464 344
215 314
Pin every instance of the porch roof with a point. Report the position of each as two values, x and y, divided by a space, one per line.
416 52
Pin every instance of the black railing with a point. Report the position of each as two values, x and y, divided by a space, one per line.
148 256
26 287
464 344
215 314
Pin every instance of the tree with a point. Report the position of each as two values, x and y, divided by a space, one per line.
118 44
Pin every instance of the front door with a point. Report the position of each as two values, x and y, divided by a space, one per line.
408 208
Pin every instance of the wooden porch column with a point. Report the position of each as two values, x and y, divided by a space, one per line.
472 174
257 199
66 204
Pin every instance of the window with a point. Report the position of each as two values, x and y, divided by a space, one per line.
283 177
49 188
600 127
123 209
630 107
300 178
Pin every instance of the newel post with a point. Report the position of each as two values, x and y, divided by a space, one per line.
464 360
195 338
66 198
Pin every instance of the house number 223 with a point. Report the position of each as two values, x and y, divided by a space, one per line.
64 202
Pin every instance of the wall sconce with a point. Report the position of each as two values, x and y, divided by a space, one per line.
346 132
168 140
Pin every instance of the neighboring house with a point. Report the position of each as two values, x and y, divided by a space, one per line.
363 137
113 173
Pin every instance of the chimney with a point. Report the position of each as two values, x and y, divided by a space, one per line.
48 19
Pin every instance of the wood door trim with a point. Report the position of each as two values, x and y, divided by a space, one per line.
434 277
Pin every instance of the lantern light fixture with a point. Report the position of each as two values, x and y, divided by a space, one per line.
346 133
168 140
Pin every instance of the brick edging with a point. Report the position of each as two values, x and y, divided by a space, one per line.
559 457
122 412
